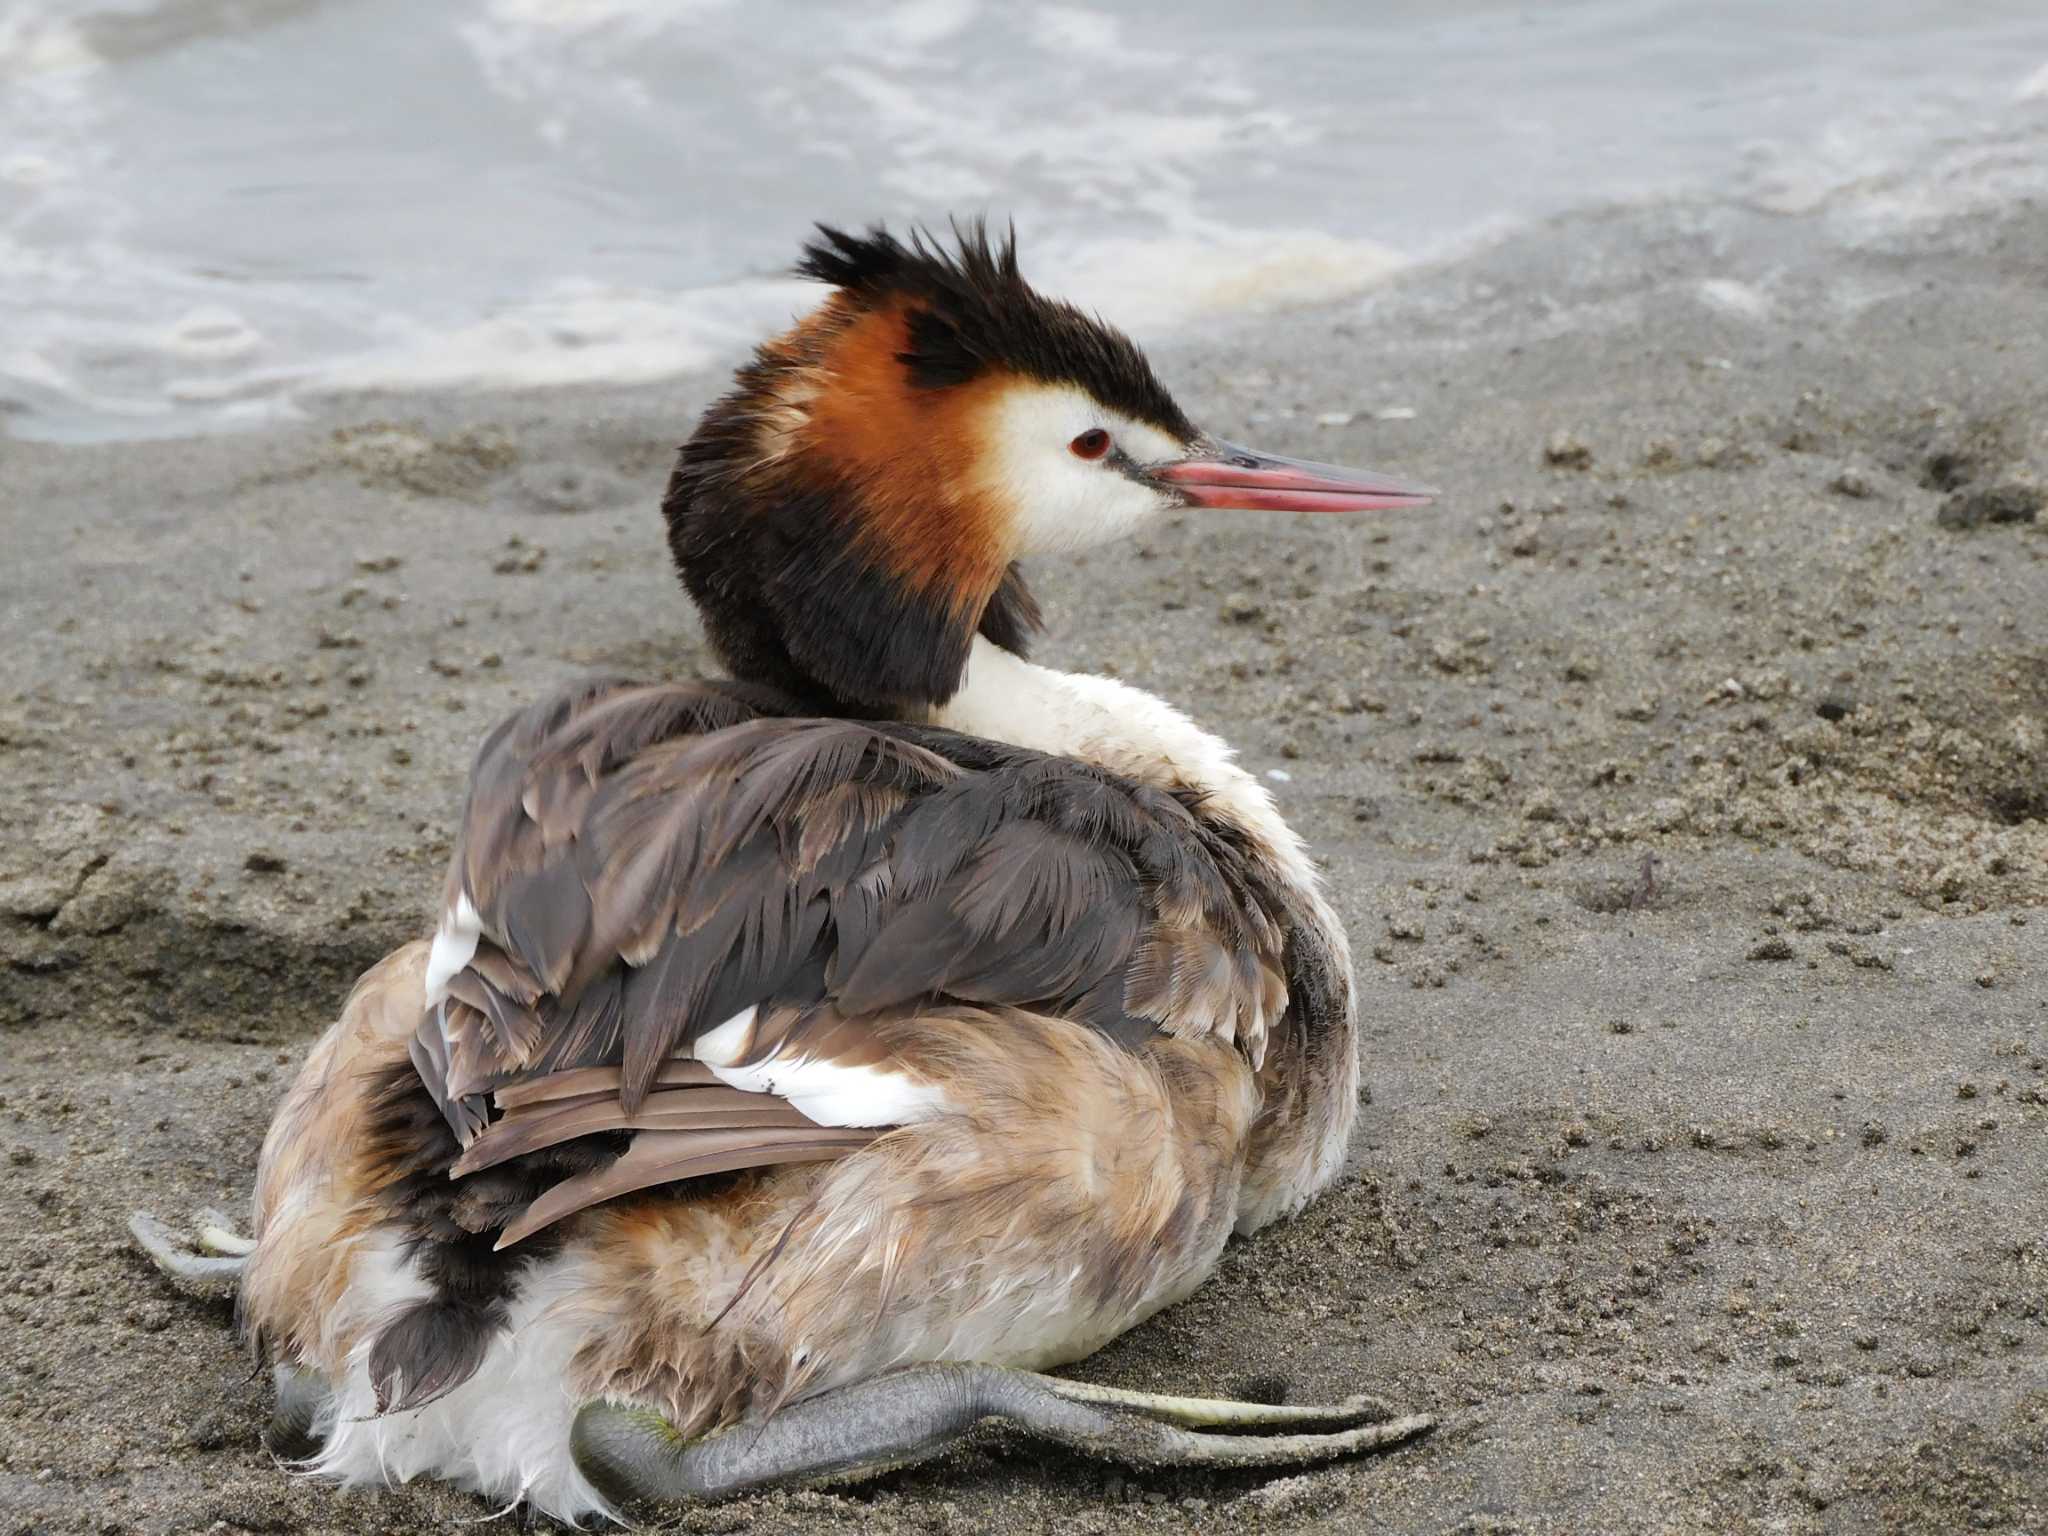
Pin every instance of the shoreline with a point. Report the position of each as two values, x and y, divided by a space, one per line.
1699 1212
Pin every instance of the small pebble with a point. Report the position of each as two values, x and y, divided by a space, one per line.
1566 451
2010 501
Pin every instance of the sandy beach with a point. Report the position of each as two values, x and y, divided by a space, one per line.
1682 779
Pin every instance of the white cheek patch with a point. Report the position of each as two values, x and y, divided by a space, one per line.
1059 501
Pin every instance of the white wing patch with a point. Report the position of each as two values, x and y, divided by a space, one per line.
829 1092
454 947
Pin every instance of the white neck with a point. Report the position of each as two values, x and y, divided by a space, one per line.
1118 727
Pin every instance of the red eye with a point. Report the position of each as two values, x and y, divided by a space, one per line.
1092 444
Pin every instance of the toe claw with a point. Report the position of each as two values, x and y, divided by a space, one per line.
216 1233
1361 1408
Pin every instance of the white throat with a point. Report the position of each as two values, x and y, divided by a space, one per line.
1118 727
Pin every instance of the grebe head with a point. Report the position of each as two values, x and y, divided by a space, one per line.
852 513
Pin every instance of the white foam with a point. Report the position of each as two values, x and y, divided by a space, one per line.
539 51
1735 298
1157 284
574 17
49 51
211 333
1066 29
917 24
605 192
577 333
26 168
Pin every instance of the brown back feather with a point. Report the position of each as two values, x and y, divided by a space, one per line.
648 862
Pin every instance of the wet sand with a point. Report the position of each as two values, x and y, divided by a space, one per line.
1683 779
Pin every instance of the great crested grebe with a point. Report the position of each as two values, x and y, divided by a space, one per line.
828 1050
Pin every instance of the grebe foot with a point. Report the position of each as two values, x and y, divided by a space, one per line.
210 1263
301 1395
1224 1412
631 1453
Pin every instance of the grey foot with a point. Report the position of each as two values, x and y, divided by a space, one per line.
631 1453
290 1435
209 1263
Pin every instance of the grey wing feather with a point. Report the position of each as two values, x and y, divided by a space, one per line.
649 862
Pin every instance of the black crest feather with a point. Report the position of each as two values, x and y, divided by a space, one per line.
973 311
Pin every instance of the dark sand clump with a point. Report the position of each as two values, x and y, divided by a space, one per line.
1683 779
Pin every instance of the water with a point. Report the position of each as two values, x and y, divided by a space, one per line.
215 211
